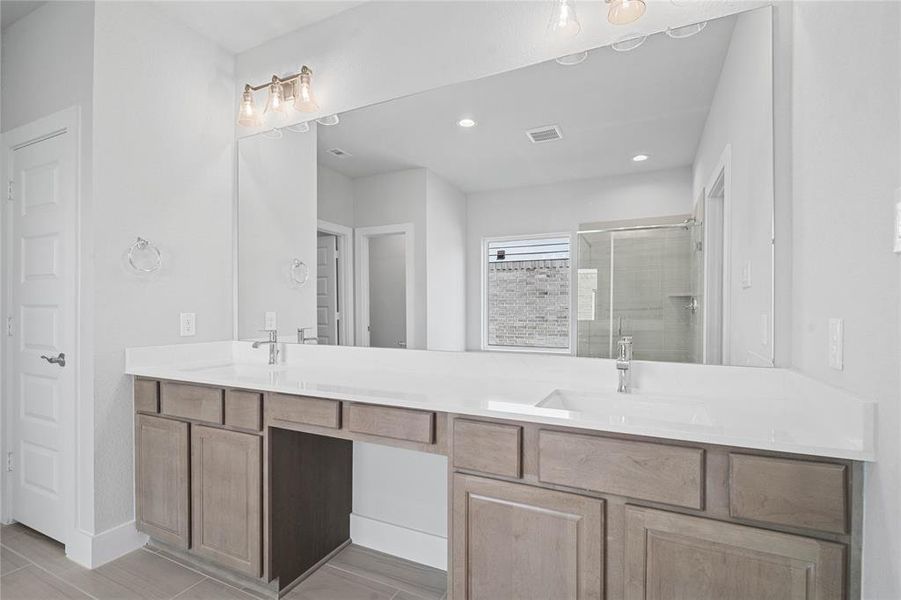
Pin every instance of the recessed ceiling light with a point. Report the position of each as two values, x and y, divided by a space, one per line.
467 122
640 158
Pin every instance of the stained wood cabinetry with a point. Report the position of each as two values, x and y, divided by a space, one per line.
515 541
260 484
161 479
227 490
670 555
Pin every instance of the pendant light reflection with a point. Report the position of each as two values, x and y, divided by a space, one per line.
680 33
623 12
248 116
628 42
563 19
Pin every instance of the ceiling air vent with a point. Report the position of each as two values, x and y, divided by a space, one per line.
548 133
339 152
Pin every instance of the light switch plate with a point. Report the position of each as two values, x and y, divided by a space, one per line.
746 275
836 344
187 324
898 221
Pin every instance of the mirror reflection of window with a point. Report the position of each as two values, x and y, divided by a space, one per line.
527 294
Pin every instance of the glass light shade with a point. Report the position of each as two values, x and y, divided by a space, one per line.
276 102
628 42
303 97
247 112
563 19
623 12
680 33
329 120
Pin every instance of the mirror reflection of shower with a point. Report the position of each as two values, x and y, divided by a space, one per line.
643 278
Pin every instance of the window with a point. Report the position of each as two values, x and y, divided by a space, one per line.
526 294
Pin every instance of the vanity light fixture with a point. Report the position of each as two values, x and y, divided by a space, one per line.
571 60
466 123
628 42
329 120
563 19
284 92
680 33
623 12
640 158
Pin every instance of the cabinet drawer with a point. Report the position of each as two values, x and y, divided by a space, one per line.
194 402
147 395
488 447
797 493
656 472
244 409
396 423
303 410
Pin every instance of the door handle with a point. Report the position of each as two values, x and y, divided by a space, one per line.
56 360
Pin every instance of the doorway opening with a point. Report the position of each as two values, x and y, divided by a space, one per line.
386 286
334 285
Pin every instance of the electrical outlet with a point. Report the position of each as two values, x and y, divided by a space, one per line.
188 324
836 344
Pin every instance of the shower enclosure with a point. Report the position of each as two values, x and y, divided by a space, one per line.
645 279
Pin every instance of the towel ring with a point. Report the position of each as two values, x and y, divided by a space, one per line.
144 257
299 272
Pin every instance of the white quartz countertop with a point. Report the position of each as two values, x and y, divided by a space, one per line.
765 409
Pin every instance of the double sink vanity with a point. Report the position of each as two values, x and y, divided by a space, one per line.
246 469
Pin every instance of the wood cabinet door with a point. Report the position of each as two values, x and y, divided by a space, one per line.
227 490
517 542
672 556
161 479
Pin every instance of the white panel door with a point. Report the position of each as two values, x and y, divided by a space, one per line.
327 290
42 287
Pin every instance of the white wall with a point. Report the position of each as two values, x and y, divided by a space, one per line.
846 163
523 211
276 223
335 197
65 57
164 156
390 199
446 260
741 118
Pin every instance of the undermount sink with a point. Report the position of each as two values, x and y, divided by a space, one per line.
629 409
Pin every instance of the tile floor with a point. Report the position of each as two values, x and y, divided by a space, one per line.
34 567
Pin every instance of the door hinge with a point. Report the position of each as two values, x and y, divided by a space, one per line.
9 326
9 461
9 190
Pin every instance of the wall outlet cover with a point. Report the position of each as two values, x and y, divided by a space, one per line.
836 344
187 324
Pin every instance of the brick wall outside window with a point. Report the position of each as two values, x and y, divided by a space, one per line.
528 303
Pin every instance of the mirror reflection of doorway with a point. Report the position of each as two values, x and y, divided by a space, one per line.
385 285
327 289
387 291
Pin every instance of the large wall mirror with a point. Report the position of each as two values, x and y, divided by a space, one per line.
555 208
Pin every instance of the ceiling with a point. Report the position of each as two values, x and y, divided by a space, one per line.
653 100
240 26
13 10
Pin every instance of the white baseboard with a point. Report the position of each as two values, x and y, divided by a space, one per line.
93 550
418 546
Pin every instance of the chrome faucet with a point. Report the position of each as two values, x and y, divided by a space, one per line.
624 364
273 345
302 337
